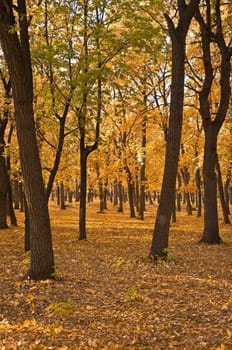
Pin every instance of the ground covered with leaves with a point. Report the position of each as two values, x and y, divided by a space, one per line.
109 296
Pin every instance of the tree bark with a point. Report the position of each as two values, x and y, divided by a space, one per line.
82 207
211 229
4 180
221 193
213 125
198 199
178 35
226 190
17 54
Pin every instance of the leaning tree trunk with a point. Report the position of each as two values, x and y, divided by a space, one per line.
178 35
16 50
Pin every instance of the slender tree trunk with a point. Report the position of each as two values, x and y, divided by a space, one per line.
4 179
186 178
13 219
226 190
83 182
198 184
178 194
143 166
16 193
174 212
115 196
130 189
221 193
120 197
101 196
62 196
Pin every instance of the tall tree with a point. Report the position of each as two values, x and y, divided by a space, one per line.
85 149
15 45
214 42
178 35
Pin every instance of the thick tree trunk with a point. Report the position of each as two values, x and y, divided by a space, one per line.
213 124
161 230
17 54
159 244
211 229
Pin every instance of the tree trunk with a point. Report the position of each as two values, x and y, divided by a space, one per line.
174 212
62 196
186 178
120 197
27 245
115 195
83 188
226 190
143 166
211 229
159 244
16 193
212 125
101 197
221 193
17 54
198 184
4 179
13 219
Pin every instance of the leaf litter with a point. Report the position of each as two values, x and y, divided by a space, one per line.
110 296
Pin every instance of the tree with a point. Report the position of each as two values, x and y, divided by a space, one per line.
213 115
54 81
15 45
178 35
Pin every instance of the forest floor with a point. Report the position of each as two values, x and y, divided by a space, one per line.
109 295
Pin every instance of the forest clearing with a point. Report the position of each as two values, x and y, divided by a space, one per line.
109 295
